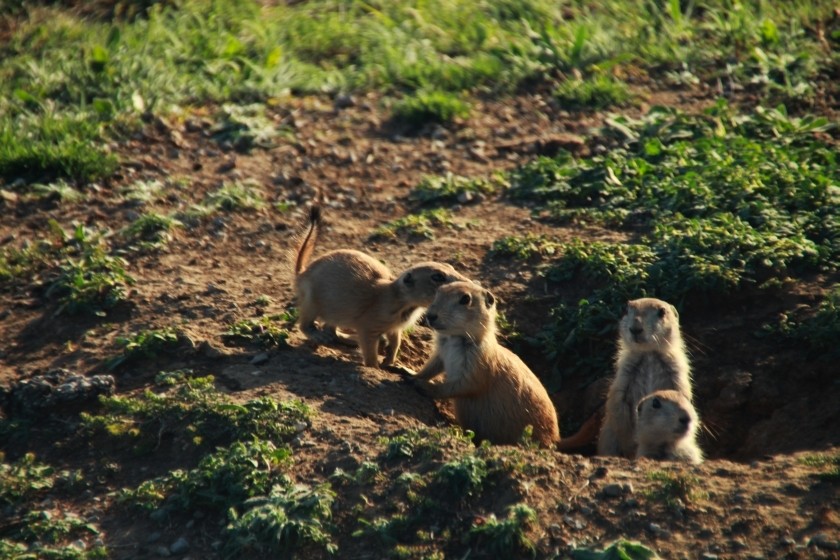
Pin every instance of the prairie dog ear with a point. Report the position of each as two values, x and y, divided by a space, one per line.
676 313
489 299
628 307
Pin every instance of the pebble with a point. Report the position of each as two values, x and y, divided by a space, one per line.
153 536
260 358
163 551
180 546
708 556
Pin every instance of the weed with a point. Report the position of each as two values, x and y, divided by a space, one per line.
423 445
619 550
42 532
281 522
192 408
430 107
92 282
593 93
151 230
830 463
144 345
463 477
675 488
819 332
57 190
421 224
525 247
262 331
143 191
452 188
245 128
245 195
23 478
507 537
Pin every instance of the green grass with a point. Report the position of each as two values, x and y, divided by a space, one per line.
430 107
828 463
671 488
237 196
150 230
592 93
421 224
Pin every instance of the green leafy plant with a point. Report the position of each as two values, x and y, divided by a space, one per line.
675 486
151 230
451 188
90 280
524 247
21 479
421 224
592 93
262 331
245 127
819 332
145 345
245 195
507 537
619 550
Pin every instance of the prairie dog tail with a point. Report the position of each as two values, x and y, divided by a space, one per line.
586 435
304 252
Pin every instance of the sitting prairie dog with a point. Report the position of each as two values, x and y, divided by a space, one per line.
651 356
351 290
495 394
666 428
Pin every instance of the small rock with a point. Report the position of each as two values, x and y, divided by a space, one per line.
154 536
180 546
612 490
163 552
822 540
465 197
260 358
708 556
343 101
787 541
574 522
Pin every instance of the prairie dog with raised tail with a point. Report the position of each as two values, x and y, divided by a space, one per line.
495 394
651 356
666 428
351 290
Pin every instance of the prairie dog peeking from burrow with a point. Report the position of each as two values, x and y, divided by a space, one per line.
495 394
351 290
666 428
651 356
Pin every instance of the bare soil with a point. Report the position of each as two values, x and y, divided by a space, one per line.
765 405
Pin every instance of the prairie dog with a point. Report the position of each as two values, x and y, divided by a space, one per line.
666 428
495 394
351 290
651 356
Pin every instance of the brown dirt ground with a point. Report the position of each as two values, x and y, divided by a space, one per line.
764 406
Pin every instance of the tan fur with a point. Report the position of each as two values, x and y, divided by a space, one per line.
495 394
666 428
351 290
651 356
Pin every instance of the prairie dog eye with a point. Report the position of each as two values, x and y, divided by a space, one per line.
408 280
661 312
465 299
438 278
656 403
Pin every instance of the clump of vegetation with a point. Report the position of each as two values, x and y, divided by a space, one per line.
151 230
430 107
592 93
90 280
451 188
21 479
829 462
619 550
43 534
507 537
245 127
819 332
145 345
419 225
525 247
245 195
192 409
262 331
674 488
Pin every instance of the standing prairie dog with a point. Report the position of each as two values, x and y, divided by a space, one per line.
651 356
495 394
666 428
351 290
